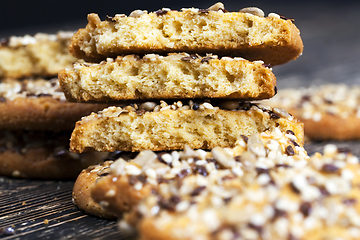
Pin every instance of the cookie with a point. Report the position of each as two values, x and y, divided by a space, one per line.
175 76
246 33
42 155
38 55
329 111
128 182
166 126
81 192
39 104
317 199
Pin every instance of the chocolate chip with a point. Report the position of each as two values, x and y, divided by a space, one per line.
268 65
344 150
142 179
245 138
206 59
195 106
262 170
161 12
140 112
305 209
350 201
4 42
44 95
2 99
278 213
294 188
329 168
276 90
282 165
290 132
294 143
290 151
285 18
323 191
183 173
237 158
201 170
109 18
227 200
133 179
188 58
258 229
245 106
273 115
197 191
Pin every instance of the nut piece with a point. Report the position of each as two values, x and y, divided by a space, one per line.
217 6
254 11
137 13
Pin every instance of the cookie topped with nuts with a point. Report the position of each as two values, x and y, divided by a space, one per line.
324 107
160 126
39 104
247 33
118 186
176 76
39 55
316 198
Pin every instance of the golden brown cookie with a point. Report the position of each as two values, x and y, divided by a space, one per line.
42 155
164 126
38 55
329 111
39 104
315 199
246 33
82 190
174 76
128 182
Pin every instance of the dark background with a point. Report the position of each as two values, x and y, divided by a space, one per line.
329 29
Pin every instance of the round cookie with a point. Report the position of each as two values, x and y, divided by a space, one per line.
131 181
329 111
39 55
38 104
312 199
164 126
214 30
42 155
81 195
176 76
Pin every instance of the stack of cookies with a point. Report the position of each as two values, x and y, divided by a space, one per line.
36 120
183 80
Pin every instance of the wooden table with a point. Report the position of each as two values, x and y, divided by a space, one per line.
43 209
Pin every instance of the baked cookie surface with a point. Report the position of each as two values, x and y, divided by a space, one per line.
214 30
329 112
174 76
128 182
316 198
39 55
162 126
42 155
39 104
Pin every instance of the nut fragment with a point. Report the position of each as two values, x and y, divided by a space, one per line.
217 6
137 13
254 11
